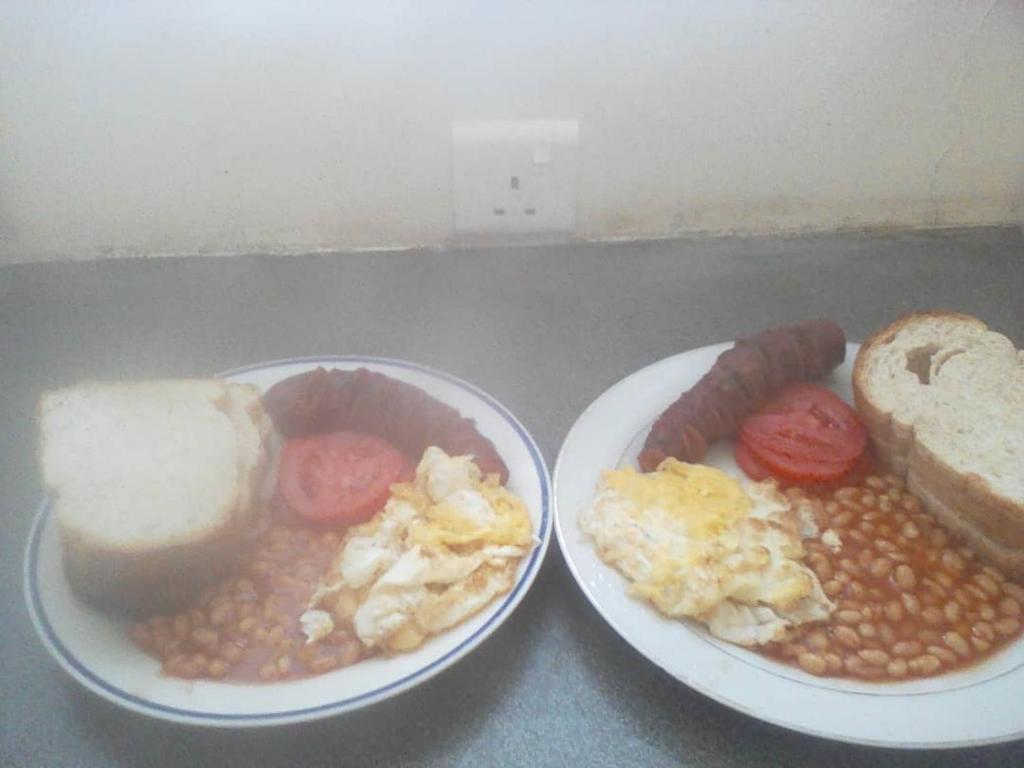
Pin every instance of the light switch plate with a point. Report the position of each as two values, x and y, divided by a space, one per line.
515 176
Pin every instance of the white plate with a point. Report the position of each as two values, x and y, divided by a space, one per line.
981 705
94 647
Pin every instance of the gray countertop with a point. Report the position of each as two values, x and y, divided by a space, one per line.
543 329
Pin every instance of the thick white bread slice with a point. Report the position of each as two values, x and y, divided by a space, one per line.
153 484
943 398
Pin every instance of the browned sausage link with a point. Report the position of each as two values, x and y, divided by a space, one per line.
367 401
741 379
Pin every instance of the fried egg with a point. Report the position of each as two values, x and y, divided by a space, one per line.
442 548
696 543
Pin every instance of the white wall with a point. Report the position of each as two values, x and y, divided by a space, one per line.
240 126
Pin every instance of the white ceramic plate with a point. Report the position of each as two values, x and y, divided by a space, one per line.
981 705
94 647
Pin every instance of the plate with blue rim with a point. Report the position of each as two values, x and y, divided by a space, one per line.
94 646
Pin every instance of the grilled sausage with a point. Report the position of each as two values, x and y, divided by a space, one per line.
739 383
367 401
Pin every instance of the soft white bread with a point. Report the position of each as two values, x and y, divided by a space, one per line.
154 484
943 399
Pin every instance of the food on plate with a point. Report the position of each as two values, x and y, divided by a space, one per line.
943 399
741 380
246 628
805 434
912 601
909 510
442 548
155 485
370 402
339 477
310 601
697 543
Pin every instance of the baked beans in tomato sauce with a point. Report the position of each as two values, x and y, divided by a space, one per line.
247 629
910 600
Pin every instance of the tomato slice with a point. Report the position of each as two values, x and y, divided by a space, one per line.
806 433
749 463
339 477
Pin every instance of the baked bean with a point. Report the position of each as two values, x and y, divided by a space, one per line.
866 630
881 567
817 641
833 662
952 611
792 650
910 603
883 545
832 508
849 617
896 668
952 561
993 573
1009 607
893 610
1014 590
886 633
867 528
823 569
933 587
268 672
984 630
868 500
832 588
861 668
217 669
944 579
943 653
885 504
842 577
874 656
231 652
905 577
865 558
847 494
924 665
980 644
955 641
205 637
813 663
842 520
1007 626
907 648
875 482
181 626
911 503
977 592
909 530
856 590
846 636
988 584
857 536
221 614
986 611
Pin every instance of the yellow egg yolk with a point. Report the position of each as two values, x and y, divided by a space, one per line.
704 499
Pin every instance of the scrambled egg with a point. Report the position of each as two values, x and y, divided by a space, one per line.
696 543
441 549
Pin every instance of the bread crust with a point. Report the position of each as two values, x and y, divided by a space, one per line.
965 502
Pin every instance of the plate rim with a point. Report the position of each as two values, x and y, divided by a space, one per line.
94 681
700 688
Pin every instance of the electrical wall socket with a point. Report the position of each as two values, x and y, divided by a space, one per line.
515 176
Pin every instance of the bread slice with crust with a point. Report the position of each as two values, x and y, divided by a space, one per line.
155 485
943 399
